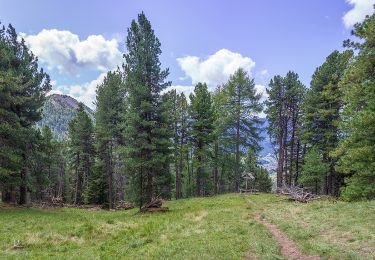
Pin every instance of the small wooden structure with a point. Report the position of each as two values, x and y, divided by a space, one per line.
248 177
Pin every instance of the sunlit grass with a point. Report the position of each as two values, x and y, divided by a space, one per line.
330 229
202 228
219 227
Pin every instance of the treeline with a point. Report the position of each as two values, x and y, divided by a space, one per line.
148 142
324 135
145 141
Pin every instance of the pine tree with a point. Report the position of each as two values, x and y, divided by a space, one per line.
51 161
295 92
147 134
262 180
284 116
178 115
183 147
109 105
82 156
314 170
356 150
243 124
47 166
22 91
251 161
219 99
322 107
275 111
201 129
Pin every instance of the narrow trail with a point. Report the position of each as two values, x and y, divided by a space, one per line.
288 248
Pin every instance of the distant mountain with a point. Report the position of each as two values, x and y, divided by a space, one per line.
266 142
58 111
268 161
266 157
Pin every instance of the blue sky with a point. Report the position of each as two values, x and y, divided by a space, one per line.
78 41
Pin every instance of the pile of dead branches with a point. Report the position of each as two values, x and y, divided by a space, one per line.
297 194
154 206
123 205
53 202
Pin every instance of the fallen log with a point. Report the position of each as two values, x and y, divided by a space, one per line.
154 206
297 193
52 202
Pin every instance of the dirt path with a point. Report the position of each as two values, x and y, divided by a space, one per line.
288 248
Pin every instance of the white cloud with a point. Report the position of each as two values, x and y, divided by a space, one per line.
261 89
264 73
55 91
187 90
64 51
359 11
262 76
216 69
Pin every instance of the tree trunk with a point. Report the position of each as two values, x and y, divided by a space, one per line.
61 180
24 192
149 190
78 189
280 163
292 141
199 175
297 163
221 187
188 172
237 167
178 181
285 142
110 177
215 170
180 165
141 188
178 169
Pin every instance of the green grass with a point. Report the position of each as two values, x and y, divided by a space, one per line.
327 228
201 228
219 227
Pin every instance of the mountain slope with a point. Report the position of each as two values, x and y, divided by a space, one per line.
58 111
266 144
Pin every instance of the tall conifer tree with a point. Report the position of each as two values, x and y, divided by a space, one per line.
23 87
110 97
284 116
201 130
322 107
243 125
357 148
82 155
146 132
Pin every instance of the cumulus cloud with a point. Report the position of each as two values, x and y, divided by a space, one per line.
360 9
261 89
63 50
215 69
